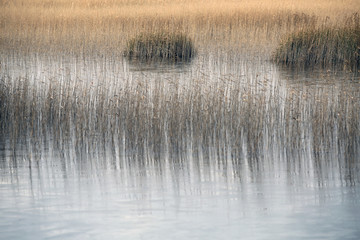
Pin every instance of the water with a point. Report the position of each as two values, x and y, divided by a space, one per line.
299 179
74 198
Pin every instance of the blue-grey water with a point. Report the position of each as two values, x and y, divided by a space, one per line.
51 189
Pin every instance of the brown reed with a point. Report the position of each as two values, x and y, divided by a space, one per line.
235 118
104 27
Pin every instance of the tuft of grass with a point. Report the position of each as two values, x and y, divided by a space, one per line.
323 47
160 46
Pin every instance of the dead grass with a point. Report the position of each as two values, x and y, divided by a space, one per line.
100 26
141 116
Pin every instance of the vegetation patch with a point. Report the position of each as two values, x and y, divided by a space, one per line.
321 47
160 46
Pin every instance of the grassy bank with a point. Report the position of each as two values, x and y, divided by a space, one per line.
323 46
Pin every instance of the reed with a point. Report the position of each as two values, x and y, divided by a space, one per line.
104 27
142 118
141 115
323 46
160 46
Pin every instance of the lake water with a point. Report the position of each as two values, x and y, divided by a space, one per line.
290 172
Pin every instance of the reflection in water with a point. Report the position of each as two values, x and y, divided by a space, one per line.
104 194
224 149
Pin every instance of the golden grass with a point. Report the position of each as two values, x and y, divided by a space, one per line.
100 26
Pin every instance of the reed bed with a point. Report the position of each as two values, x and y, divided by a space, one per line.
245 127
323 46
146 117
99 27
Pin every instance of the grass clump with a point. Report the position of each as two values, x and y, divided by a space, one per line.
326 46
160 46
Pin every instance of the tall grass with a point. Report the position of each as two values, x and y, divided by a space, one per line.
248 119
104 27
233 127
160 46
323 46
165 116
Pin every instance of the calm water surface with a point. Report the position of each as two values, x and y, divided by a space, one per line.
52 189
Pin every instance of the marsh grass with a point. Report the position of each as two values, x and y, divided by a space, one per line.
104 27
251 125
143 117
171 47
324 46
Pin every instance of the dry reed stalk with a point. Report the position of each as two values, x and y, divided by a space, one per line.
233 118
99 27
